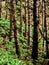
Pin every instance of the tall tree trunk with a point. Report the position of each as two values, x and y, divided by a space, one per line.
35 35
7 9
13 24
0 7
21 18
29 22
26 18
45 26
43 20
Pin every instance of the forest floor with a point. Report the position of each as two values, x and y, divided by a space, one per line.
7 51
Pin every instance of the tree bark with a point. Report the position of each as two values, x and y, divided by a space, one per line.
7 9
29 22
0 7
35 35
26 19
45 27
21 18
13 23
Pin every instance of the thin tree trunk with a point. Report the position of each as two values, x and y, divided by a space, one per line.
45 26
21 18
29 22
7 9
11 25
0 7
26 19
43 20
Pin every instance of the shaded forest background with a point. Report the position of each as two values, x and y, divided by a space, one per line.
24 32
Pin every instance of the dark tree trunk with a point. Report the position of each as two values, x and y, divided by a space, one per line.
16 39
21 18
13 23
28 23
35 35
0 7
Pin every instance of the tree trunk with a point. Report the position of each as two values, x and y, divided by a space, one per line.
13 24
0 7
43 21
29 22
45 26
35 35
7 9
21 18
26 19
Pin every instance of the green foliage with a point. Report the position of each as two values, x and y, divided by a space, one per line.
6 59
22 38
4 26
